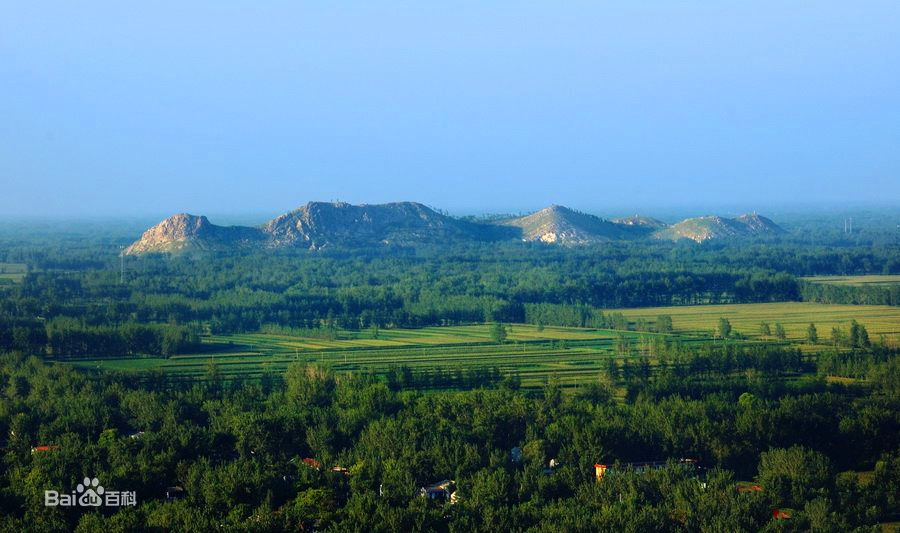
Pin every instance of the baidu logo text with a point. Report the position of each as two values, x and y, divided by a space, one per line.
89 493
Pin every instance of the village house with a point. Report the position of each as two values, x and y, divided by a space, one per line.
41 449
442 490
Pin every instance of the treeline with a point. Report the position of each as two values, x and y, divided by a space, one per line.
829 293
26 335
471 377
878 364
671 367
710 361
584 316
66 337
242 293
322 292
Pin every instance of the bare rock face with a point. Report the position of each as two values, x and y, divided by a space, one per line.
322 224
759 224
170 235
557 224
184 231
317 225
709 227
638 221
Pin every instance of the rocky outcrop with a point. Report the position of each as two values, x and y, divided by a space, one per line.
558 224
638 221
709 227
317 225
184 231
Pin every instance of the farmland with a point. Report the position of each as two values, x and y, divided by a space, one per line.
869 280
239 376
572 355
12 272
794 316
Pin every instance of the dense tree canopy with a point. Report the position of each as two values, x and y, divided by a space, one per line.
708 436
264 461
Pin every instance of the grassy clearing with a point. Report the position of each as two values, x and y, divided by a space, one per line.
13 272
855 280
794 316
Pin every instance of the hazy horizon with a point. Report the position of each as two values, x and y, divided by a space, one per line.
665 213
212 109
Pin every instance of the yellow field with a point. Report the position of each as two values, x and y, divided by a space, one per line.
794 316
855 280
429 336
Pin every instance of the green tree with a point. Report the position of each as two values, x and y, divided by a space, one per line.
108 437
838 337
623 344
664 324
794 475
864 337
309 385
498 332
764 329
748 400
612 369
859 337
309 507
723 330
811 334
213 376
779 331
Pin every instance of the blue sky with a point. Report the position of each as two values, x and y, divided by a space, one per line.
146 108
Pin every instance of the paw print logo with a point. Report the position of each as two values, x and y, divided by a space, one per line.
90 491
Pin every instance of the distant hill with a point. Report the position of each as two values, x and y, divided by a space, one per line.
318 225
704 228
558 224
183 232
637 221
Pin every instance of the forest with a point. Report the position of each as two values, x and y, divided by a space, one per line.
320 452
417 287
703 433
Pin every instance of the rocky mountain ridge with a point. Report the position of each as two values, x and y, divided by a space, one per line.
317 225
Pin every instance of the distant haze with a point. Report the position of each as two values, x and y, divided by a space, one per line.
117 108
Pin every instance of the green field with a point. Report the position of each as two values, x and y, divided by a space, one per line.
857 281
573 355
794 316
14 272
